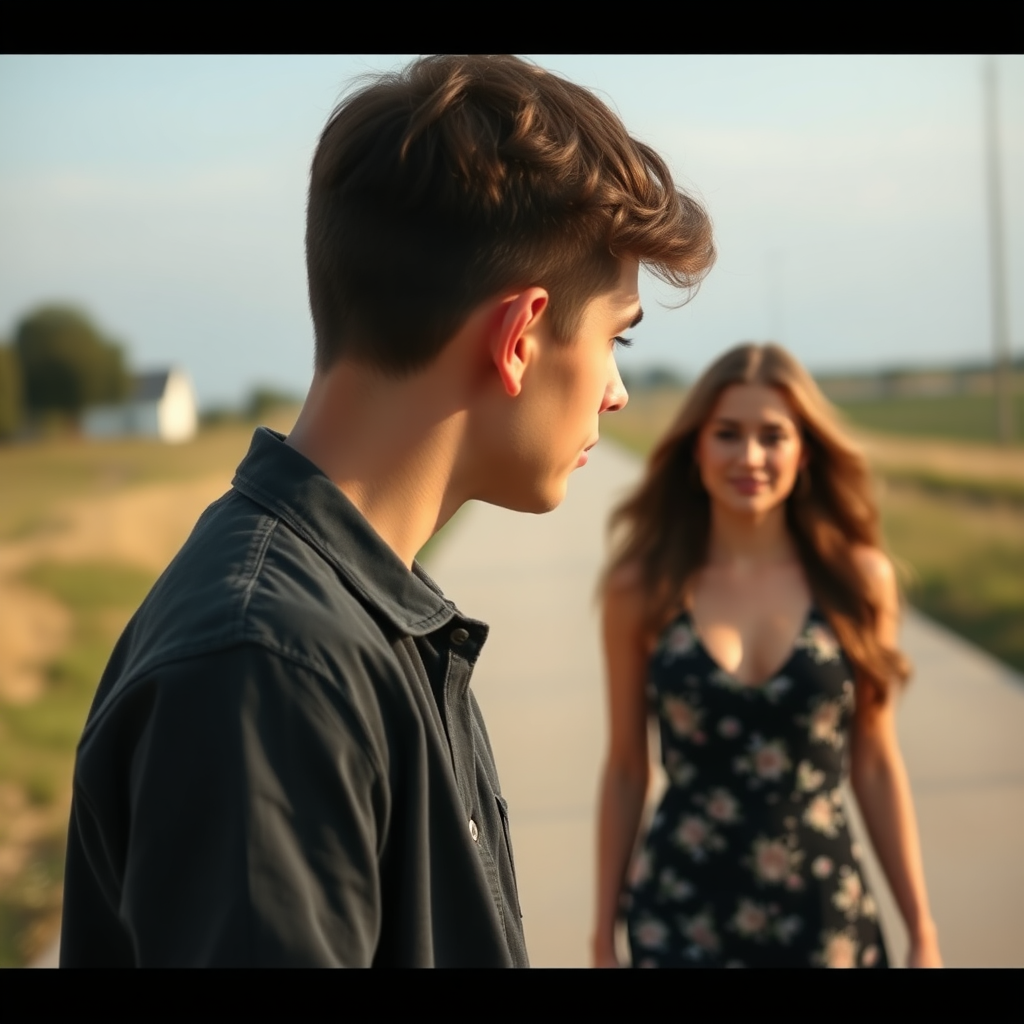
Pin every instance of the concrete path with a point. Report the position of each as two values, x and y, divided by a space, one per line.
540 683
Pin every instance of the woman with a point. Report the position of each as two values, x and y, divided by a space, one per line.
749 606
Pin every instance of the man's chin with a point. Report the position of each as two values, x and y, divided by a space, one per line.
537 501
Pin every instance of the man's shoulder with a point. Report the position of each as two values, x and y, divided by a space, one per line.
245 579
248 574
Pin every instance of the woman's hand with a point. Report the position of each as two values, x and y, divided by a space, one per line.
880 783
604 955
626 771
924 948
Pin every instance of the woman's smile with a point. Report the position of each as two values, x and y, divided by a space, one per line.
749 485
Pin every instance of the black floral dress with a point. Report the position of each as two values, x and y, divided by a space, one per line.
749 861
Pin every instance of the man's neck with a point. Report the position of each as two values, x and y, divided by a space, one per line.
392 447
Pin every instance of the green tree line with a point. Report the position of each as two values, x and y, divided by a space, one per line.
58 364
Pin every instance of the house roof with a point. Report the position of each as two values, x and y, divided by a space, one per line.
148 387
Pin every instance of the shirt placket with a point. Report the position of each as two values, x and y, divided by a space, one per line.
463 648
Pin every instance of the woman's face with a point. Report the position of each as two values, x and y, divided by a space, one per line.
750 450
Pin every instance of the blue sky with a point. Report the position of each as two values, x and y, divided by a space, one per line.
165 196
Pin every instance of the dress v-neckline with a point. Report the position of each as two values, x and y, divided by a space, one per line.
792 649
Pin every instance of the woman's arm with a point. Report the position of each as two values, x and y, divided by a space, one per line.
883 792
626 772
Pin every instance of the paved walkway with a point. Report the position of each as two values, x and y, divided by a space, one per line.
540 683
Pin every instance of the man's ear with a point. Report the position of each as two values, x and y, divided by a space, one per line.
512 340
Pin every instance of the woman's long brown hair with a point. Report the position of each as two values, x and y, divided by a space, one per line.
661 531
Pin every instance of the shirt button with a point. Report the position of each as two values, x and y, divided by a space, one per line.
473 830
460 636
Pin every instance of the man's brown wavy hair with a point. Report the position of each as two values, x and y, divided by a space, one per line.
434 188
661 532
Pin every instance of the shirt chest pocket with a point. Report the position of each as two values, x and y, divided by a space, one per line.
507 839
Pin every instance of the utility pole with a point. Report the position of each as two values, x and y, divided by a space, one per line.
1002 370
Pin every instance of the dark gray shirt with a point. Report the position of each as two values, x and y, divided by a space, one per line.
284 763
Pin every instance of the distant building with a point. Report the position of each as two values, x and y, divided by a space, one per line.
161 405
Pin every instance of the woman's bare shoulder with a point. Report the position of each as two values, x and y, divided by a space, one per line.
625 597
874 564
878 572
624 588
625 583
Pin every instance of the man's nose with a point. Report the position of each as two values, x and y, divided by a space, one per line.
615 395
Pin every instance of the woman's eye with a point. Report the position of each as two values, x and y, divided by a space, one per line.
624 342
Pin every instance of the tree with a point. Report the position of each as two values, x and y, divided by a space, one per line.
263 400
66 363
10 393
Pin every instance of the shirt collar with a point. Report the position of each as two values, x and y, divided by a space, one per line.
286 483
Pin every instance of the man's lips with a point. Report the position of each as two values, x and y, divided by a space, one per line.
585 454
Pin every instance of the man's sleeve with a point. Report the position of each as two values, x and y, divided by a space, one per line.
256 813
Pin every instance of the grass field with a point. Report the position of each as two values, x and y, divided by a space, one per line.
955 417
42 477
964 561
37 745
952 510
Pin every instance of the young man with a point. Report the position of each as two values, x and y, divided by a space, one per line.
284 763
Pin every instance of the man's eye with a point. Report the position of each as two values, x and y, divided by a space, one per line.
624 342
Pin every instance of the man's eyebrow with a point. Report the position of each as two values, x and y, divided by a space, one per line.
632 323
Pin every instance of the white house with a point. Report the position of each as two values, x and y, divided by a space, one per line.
161 404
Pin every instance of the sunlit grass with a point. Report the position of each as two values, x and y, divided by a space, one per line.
36 478
38 739
956 417
30 907
966 562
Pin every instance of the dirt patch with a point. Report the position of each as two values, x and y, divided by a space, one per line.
144 526
34 629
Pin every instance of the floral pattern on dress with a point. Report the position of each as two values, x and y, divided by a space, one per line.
698 837
820 643
723 807
683 718
775 862
678 640
749 859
